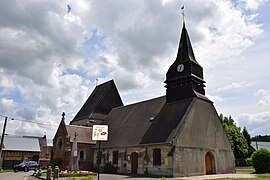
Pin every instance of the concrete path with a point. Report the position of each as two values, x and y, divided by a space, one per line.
219 176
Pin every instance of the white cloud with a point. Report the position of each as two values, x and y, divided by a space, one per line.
50 59
215 98
233 86
265 97
7 105
5 81
257 123
254 4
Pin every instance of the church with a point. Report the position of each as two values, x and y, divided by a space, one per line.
179 134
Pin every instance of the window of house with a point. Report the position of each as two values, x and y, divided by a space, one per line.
115 157
82 155
156 157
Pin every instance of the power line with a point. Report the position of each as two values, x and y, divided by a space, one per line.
28 121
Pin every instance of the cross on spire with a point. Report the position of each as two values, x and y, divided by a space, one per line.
63 116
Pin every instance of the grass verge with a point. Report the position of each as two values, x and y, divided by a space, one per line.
246 169
6 170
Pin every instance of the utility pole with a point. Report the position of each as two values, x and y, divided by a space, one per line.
2 141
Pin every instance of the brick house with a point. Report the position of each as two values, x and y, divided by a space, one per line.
62 144
45 150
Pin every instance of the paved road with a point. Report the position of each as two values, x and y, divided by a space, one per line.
15 176
127 177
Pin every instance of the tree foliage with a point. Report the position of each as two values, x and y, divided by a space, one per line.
261 161
248 138
265 138
238 142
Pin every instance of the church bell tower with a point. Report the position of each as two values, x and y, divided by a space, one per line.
184 79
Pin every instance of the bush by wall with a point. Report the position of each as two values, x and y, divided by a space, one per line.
261 161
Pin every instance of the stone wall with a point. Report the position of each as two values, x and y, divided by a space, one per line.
201 132
145 160
191 161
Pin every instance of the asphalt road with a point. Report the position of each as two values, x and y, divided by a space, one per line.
15 176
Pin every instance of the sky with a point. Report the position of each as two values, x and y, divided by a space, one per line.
50 56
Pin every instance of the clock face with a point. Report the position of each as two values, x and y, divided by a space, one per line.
180 67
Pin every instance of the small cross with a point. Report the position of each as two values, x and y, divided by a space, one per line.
75 134
63 116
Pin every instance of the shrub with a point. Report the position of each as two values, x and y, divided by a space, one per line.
261 161
57 162
248 161
240 162
109 168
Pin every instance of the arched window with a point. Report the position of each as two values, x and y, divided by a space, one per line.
82 155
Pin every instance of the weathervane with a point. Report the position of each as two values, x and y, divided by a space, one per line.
183 12
96 81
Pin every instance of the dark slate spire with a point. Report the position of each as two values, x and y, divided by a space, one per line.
185 51
184 78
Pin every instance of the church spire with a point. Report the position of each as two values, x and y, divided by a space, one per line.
184 78
185 51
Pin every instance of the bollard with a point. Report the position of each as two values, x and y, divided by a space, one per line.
56 172
38 173
49 173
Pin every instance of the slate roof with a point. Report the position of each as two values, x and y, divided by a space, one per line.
128 124
42 140
84 134
104 97
164 126
15 143
149 122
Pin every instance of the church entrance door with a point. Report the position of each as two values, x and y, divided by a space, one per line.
134 162
208 163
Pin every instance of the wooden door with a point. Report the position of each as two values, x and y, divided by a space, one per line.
208 163
134 162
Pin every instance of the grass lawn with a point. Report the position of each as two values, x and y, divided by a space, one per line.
6 170
82 178
259 177
246 169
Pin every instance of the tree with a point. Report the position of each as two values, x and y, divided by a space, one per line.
248 138
238 142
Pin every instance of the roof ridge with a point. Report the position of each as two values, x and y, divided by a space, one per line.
144 101
80 126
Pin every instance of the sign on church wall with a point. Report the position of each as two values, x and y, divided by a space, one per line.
100 133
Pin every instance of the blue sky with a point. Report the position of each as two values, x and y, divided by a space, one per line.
50 59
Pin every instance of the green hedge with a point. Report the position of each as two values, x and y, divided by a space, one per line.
261 161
